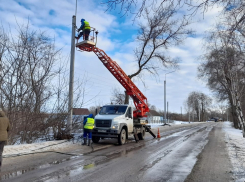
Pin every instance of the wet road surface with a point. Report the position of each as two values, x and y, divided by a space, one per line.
170 158
213 162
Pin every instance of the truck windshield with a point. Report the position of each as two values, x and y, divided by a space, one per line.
117 110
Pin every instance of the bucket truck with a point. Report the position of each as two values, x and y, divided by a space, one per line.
119 121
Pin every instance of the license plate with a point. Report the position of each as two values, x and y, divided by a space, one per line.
103 131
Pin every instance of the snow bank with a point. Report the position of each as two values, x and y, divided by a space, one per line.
154 125
182 122
236 149
14 150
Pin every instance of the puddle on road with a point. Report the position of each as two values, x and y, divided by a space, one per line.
78 169
20 172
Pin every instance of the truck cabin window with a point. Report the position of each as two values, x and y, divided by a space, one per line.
117 110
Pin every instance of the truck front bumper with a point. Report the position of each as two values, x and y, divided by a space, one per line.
106 133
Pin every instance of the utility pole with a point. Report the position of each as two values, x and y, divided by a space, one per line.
199 115
227 114
181 112
165 116
167 112
72 60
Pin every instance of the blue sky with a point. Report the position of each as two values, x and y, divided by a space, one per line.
116 38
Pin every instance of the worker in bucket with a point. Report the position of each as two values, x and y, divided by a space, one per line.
88 125
85 27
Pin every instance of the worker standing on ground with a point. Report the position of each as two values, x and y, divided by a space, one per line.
88 125
4 129
85 27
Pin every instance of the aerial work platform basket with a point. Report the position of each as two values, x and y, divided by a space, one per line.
86 45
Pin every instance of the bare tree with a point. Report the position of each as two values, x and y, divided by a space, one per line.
95 109
199 103
57 117
27 64
224 69
234 10
223 109
118 97
136 7
160 31
29 91
153 107
235 17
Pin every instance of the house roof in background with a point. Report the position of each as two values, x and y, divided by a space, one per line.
80 111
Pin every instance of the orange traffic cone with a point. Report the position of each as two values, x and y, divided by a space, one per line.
158 134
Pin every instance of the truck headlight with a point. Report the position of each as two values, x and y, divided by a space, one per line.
115 126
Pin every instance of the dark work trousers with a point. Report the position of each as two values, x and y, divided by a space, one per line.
2 143
86 33
87 133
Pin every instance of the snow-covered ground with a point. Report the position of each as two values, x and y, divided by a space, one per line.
236 149
17 150
154 125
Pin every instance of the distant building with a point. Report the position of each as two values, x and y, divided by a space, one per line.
80 111
154 117
79 114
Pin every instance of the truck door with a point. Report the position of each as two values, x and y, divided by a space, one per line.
129 119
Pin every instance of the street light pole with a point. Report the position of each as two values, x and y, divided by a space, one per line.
165 100
181 113
70 104
165 115
227 113
199 116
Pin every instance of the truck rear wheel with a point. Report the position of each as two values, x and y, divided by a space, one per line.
141 135
122 137
95 139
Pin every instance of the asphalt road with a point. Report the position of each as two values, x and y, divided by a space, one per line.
173 157
213 162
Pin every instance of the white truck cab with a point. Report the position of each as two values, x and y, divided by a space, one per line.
113 121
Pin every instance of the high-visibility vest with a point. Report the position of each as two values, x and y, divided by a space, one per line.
89 124
86 25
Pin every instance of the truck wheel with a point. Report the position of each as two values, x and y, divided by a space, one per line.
95 139
122 137
141 136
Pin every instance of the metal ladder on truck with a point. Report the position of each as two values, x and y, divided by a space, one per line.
138 97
